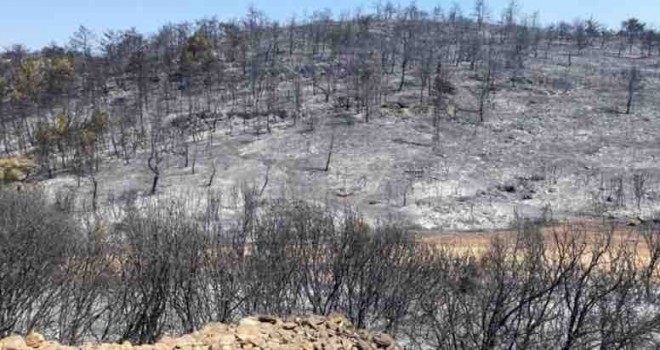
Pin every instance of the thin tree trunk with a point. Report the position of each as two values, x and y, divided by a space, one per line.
154 184
332 145
95 188
212 176
403 73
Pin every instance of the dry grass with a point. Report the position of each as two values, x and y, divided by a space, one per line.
16 163
591 232
14 169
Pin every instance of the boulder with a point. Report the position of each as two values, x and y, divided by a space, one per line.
14 342
249 322
383 340
34 340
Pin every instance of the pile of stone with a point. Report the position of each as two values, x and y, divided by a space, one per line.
333 332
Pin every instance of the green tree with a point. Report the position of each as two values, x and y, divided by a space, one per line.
28 81
27 84
59 77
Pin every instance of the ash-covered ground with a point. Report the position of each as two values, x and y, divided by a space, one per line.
555 143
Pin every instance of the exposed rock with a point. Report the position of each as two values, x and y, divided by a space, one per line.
363 345
13 342
334 332
289 325
267 319
249 322
383 340
34 340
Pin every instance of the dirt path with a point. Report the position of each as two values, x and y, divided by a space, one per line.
478 242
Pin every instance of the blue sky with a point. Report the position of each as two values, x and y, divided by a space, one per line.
37 22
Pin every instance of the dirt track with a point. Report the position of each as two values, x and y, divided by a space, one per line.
593 232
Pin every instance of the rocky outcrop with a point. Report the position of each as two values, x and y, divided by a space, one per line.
333 332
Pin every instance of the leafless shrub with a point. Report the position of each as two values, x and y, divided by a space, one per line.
166 268
639 187
552 173
633 78
546 214
617 192
65 200
598 203
82 295
34 241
